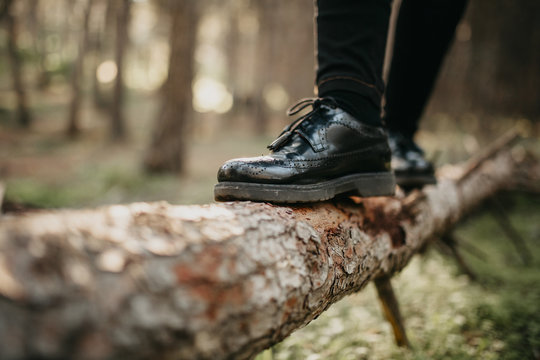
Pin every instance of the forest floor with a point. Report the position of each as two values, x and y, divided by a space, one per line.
447 315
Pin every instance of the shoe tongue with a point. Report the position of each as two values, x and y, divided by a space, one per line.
314 137
309 130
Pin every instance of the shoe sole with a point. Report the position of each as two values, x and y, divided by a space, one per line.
415 181
365 185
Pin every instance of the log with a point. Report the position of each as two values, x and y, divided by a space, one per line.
217 281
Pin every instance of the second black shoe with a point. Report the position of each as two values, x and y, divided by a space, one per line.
411 168
323 153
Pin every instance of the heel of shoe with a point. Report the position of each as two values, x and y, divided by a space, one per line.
376 184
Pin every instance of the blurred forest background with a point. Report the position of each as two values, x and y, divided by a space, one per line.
98 95
109 101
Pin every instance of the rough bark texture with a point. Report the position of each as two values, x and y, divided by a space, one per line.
220 281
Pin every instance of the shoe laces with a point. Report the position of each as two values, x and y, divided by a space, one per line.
288 131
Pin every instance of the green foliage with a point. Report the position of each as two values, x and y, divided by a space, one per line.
37 194
516 321
107 184
94 187
515 316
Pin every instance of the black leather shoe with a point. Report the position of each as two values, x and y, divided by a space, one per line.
324 153
410 167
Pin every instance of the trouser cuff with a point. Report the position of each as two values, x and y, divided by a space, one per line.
370 91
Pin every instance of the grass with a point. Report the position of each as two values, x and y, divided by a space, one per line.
114 175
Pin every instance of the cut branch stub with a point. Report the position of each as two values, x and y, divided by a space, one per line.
390 307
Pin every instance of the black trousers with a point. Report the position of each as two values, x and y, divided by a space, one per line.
351 41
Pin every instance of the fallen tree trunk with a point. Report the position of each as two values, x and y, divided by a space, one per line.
214 281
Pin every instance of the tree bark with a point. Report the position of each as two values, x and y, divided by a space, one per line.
167 151
35 24
219 281
118 129
101 46
23 114
493 67
73 128
284 54
266 50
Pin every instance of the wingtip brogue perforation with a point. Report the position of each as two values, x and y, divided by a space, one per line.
322 154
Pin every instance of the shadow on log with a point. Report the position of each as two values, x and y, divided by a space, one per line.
219 281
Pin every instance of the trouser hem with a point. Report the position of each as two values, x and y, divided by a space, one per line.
350 83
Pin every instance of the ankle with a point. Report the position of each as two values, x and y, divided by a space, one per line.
360 107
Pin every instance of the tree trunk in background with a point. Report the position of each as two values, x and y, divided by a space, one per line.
43 78
267 12
118 127
23 114
494 65
167 151
102 45
296 62
73 128
278 56
231 46
4 8
285 53
97 96
505 35
220 281
242 55
292 47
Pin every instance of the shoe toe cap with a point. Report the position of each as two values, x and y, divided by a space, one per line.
244 169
